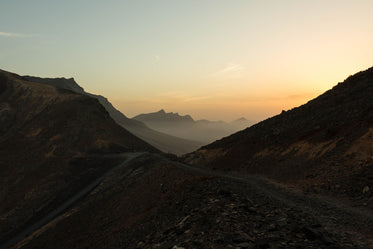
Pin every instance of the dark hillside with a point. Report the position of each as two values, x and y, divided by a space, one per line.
324 145
51 144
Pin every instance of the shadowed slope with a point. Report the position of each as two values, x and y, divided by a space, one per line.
324 145
48 139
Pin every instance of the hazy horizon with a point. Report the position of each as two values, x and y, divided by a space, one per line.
215 60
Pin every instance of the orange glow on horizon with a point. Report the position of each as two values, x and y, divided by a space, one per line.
226 109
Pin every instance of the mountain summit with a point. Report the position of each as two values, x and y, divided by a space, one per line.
162 116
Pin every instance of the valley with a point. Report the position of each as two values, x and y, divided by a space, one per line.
186 124
73 176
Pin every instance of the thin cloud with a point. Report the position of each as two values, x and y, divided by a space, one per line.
5 34
157 58
232 70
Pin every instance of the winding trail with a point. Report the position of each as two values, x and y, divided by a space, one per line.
332 214
64 206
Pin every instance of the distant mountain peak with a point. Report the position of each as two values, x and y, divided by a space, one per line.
162 141
242 119
163 116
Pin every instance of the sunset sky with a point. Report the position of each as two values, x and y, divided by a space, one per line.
214 59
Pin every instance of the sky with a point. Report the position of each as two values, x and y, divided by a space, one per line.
212 59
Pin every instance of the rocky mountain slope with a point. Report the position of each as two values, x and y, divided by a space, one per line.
186 127
50 146
164 142
323 146
152 202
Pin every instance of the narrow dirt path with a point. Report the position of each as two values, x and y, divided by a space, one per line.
342 224
333 215
64 206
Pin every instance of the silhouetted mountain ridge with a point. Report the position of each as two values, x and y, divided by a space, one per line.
166 143
186 127
64 83
162 116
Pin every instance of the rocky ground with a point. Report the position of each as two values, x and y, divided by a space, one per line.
228 218
157 203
